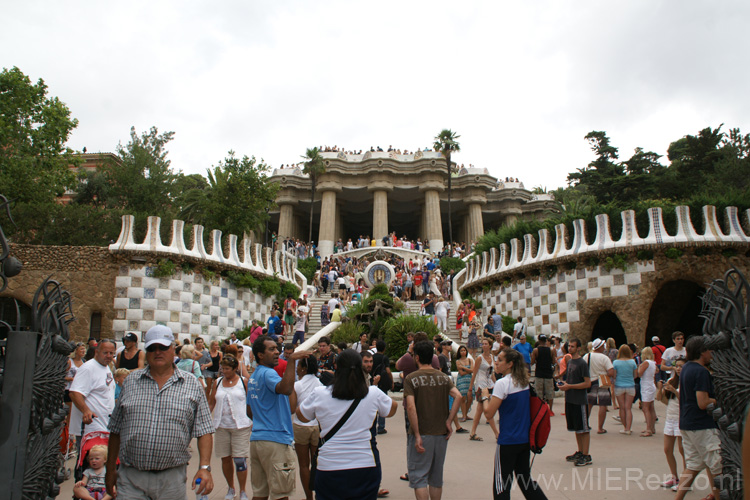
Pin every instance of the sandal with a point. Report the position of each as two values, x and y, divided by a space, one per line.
405 477
383 493
474 437
646 434
603 431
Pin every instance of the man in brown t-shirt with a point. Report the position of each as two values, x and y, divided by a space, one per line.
427 391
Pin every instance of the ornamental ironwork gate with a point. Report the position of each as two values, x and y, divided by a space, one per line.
33 363
726 307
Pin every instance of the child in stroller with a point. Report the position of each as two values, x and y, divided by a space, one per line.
90 468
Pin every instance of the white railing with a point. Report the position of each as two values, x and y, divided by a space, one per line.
528 253
255 258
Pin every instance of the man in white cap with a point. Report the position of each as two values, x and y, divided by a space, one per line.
599 364
159 411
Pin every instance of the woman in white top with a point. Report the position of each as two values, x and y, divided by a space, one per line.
482 380
228 401
306 434
646 372
348 462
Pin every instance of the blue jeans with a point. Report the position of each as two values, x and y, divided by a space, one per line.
381 423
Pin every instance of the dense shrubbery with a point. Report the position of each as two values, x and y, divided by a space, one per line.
268 287
307 267
395 330
451 264
348 332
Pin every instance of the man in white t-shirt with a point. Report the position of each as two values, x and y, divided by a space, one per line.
332 303
519 329
599 364
672 353
93 391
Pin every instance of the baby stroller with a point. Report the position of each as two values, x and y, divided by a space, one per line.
89 441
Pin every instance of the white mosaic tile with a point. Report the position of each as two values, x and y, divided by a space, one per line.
632 278
161 316
619 290
606 281
135 292
122 281
134 314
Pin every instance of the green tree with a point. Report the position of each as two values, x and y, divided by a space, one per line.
235 198
314 167
93 189
446 143
601 175
34 161
143 180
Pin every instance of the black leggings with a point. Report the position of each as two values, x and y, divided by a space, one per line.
510 459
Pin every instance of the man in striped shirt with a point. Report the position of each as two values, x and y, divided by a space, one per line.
159 411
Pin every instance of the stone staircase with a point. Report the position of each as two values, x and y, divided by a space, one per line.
412 306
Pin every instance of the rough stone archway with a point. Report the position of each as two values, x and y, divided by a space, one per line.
677 306
609 325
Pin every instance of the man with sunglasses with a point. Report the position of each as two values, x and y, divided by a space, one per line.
160 410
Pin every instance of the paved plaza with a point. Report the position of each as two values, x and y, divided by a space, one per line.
625 467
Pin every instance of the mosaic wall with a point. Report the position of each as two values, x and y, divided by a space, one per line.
189 304
551 305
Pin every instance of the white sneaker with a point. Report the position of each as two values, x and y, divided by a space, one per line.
230 494
243 496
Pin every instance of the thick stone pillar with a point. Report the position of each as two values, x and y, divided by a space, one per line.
379 214
286 221
339 232
476 224
327 231
433 222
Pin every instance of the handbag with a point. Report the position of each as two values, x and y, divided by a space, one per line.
604 380
327 437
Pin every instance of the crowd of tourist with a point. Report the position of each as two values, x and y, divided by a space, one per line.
340 392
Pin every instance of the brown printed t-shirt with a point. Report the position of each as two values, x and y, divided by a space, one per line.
430 389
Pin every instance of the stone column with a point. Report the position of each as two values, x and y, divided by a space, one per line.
339 232
327 229
433 222
379 214
286 221
476 224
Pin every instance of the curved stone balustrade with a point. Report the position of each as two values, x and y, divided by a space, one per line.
255 258
502 260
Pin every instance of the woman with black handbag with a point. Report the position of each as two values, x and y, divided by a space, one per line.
348 464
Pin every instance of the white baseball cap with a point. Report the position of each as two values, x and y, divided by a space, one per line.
159 334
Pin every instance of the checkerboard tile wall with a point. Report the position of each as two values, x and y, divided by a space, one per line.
551 305
188 303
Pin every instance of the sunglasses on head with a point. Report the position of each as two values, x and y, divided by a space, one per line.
157 347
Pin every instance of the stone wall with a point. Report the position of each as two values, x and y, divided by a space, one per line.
88 273
570 302
129 298
188 303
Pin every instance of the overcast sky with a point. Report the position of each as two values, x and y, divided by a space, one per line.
521 82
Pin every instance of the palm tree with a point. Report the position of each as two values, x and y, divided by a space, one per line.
314 167
445 142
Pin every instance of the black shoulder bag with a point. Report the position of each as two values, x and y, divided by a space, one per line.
327 437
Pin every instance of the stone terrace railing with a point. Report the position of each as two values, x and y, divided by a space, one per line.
500 262
254 258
